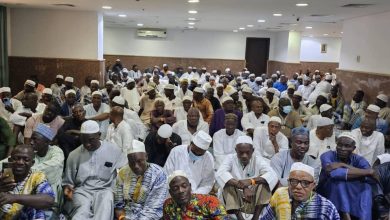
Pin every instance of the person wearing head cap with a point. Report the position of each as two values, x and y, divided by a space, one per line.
226 87
29 87
184 204
190 158
315 107
269 140
57 86
372 113
336 100
211 96
381 204
289 92
115 78
171 101
50 117
141 187
94 86
306 88
281 85
8 105
68 82
135 73
147 105
354 110
322 138
186 75
47 96
160 143
183 90
218 120
369 142
300 107
49 159
203 104
251 80
257 117
131 95
70 101
219 93
117 67
246 180
382 100
346 179
90 174
299 200
86 90
119 131
159 115
326 110
290 118
323 86
188 128
271 99
98 111
281 162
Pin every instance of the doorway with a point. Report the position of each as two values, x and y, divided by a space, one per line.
257 54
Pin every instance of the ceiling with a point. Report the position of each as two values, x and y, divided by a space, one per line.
223 15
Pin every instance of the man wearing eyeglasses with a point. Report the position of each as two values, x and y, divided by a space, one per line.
298 200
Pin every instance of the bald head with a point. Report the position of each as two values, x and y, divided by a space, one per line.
117 111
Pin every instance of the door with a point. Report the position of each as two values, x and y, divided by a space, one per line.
256 54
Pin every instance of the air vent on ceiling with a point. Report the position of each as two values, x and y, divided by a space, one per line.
318 15
356 5
286 23
65 5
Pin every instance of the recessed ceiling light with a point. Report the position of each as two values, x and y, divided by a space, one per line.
122 15
192 19
191 27
193 1
191 23
277 14
326 34
106 7
261 21
308 27
235 30
341 32
241 28
311 36
249 25
140 25
192 12
302 4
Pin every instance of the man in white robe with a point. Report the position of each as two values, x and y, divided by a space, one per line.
255 118
322 138
187 129
196 161
322 87
8 105
268 141
119 132
98 111
131 95
247 180
57 87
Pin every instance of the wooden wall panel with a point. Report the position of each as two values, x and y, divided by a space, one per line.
321 66
290 68
20 68
144 62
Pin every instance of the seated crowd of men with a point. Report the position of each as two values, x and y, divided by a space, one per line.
193 145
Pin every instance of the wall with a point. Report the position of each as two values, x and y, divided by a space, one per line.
294 47
281 46
311 49
54 33
368 37
181 44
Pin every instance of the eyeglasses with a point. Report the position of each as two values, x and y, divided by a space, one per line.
304 183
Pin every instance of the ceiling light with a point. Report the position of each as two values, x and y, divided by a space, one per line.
192 19
241 28
106 7
191 27
192 12
122 15
302 4
140 25
261 21
308 27
341 32
326 34
193 1
191 23
235 30
277 14
249 25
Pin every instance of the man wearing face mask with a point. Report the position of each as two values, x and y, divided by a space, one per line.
90 174
196 161
290 118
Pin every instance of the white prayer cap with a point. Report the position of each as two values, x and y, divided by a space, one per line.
188 98
176 173
297 93
299 166
325 107
190 67
291 86
324 121
89 127
109 82
374 108
252 75
227 98
383 97
125 70
169 86
199 90
5 89
118 60
119 100
204 68
214 71
208 74
69 79
194 80
136 147
348 135
47 91
97 93
202 140
275 119
274 75
227 69
232 91
247 89
244 140
70 91
278 71
164 65
150 88
219 85
59 77
271 90
328 77
130 80
95 82
194 67
316 71
384 158
30 83
165 131
327 74
246 71
258 79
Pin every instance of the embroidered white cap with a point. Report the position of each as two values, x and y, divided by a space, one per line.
348 135
373 108
298 166
165 131
383 97
199 90
136 147
47 91
325 107
324 121
202 140
175 174
69 79
95 82
275 119
244 140
59 77
30 83
89 127
70 91
119 100
97 93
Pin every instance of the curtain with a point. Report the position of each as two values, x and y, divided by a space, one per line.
4 80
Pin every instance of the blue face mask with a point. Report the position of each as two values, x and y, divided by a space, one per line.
287 109
194 157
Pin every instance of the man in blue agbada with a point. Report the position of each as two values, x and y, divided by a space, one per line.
346 179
